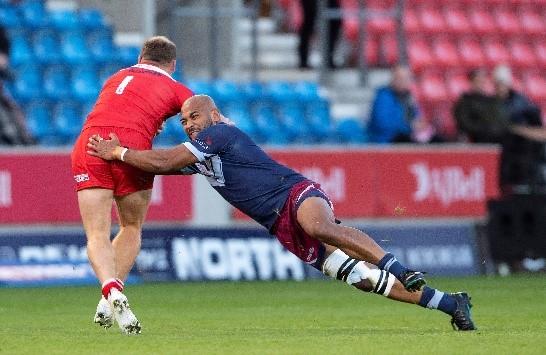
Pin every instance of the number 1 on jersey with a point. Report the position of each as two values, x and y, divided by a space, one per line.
123 84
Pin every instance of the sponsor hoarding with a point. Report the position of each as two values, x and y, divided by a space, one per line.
59 256
39 188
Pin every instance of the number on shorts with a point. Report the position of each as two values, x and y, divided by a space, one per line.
124 84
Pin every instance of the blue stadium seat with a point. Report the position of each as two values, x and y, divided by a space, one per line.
56 83
253 91
34 14
200 87
21 51
107 70
73 48
65 20
268 127
85 83
28 83
350 130
226 91
280 91
307 91
178 74
173 129
67 120
127 55
240 114
38 119
9 17
46 47
86 108
92 19
295 126
101 46
318 119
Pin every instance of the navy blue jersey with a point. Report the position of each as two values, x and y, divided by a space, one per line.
242 172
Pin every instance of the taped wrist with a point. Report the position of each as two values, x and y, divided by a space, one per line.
344 268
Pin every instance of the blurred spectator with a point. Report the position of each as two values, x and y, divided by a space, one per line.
12 123
395 116
310 10
520 109
479 115
522 157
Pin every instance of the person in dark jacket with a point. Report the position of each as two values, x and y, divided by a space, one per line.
479 115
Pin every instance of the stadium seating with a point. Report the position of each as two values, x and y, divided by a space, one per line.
46 47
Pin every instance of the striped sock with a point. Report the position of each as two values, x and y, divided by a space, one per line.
436 299
390 264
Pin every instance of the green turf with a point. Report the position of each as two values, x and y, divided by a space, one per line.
321 317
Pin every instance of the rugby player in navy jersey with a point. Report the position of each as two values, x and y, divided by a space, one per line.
289 205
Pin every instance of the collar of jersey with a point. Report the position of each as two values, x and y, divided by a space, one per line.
153 68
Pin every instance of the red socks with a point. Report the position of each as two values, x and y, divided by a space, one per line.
109 284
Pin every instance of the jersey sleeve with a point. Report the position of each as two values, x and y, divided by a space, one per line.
210 141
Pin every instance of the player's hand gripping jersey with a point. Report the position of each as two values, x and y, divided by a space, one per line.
133 103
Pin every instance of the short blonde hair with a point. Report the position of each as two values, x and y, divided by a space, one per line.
159 49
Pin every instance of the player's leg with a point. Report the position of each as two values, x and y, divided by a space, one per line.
357 273
132 209
316 218
96 210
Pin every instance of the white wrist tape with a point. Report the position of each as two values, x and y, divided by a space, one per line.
342 267
122 155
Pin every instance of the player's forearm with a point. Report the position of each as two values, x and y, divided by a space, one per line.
153 161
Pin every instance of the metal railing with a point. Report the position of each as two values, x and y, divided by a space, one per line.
214 10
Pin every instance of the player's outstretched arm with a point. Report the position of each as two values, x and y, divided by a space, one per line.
158 161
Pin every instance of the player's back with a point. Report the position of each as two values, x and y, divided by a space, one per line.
140 97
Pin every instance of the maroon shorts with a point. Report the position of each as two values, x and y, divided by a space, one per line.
123 179
289 232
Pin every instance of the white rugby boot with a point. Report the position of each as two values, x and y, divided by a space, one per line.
127 321
104 315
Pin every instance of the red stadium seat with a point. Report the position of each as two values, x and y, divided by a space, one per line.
522 54
456 20
371 51
445 52
389 49
535 86
507 22
482 21
456 84
431 20
381 25
496 52
532 22
419 54
433 88
411 21
540 52
471 53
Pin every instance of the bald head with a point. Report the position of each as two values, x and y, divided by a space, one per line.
199 101
198 112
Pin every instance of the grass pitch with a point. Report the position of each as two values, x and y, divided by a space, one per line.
316 317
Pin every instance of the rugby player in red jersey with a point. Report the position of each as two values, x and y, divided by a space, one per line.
133 103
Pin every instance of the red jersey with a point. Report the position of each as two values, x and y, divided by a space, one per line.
140 98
